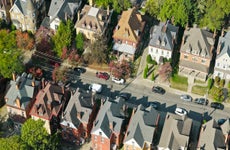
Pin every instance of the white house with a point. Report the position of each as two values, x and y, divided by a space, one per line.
222 65
162 40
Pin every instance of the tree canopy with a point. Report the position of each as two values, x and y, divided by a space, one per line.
117 5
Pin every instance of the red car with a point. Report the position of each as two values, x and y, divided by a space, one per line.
103 75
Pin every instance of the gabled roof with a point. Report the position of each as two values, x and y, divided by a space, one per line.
142 126
95 19
199 41
26 7
60 8
226 127
175 133
211 136
80 102
21 89
111 112
224 45
129 26
48 102
162 36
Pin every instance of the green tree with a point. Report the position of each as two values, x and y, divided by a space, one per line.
103 3
152 7
210 83
145 73
176 10
34 134
79 42
12 143
153 76
64 36
217 80
222 83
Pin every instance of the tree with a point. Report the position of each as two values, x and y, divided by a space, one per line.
25 41
59 73
34 134
210 83
121 69
13 143
153 76
145 73
149 60
79 42
222 83
218 95
217 80
176 10
63 37
165 71
152 7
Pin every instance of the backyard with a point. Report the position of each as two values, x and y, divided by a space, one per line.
179 82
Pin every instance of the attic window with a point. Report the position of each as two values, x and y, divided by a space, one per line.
158 41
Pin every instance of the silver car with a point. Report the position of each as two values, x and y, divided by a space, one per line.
186 97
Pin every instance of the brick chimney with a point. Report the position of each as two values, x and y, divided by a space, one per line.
33 82
18 103
111 125
79 115
49 104
14 76
43 83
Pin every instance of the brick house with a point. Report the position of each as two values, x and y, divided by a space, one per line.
163 37
5 6
20 96
108 128
127 34
48 105
24 14
142 129
78 117
222 64
196 53
93 21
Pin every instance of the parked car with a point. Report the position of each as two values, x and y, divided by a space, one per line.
154 104
186 97
118 81
103 75
157 89
96 88
217 105
181 111
201 101
221 121
126 96
79 69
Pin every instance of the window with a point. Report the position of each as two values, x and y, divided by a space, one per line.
156 51
185 56
100 133
102 140
56 27
23 114
203 61
224 66
162 52
151 50
218 64
95 138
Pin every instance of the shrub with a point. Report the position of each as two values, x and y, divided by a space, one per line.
217 80
210 83
153 76
229 84
222 83
149 60
146 72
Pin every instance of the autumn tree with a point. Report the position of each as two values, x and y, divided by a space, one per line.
25 41
59 73
165 71
121 69
64 36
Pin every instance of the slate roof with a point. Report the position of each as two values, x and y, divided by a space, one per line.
142 126
2 5
197 40
80 102
25 91
163 33
175 133
58 8
48 102
110 112
224 45
211 136
25 6
129 24
94 19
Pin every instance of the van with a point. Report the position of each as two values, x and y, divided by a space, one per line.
96 88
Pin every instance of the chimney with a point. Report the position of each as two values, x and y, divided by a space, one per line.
107 11
14 76
18 102
63 89
78 16
111 125
222 32
49 104
43 83
91 3
33 82
17 86
66 16
79 115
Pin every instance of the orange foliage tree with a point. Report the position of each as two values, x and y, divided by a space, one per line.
24 40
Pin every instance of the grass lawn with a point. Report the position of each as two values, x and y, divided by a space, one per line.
200 90
199 81
179 82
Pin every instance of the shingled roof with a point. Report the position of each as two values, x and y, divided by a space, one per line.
224 45
142 126
78 109
26 7
129 26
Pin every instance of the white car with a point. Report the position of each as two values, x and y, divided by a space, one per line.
181 111
186 97
96 88
118 81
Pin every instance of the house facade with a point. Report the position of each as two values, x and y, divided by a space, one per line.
211 136
20 96
196 53
109 125
162 40
175 133
222 64
5 6
141 129
78 117
93 21
127 34
61 11
24 14
48 105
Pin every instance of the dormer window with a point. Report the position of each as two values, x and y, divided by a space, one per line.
33 15
158 41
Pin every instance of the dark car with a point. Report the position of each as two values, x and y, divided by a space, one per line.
217 105
154 104
126 96
79 69
201 101
103 75
221 121
157 89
